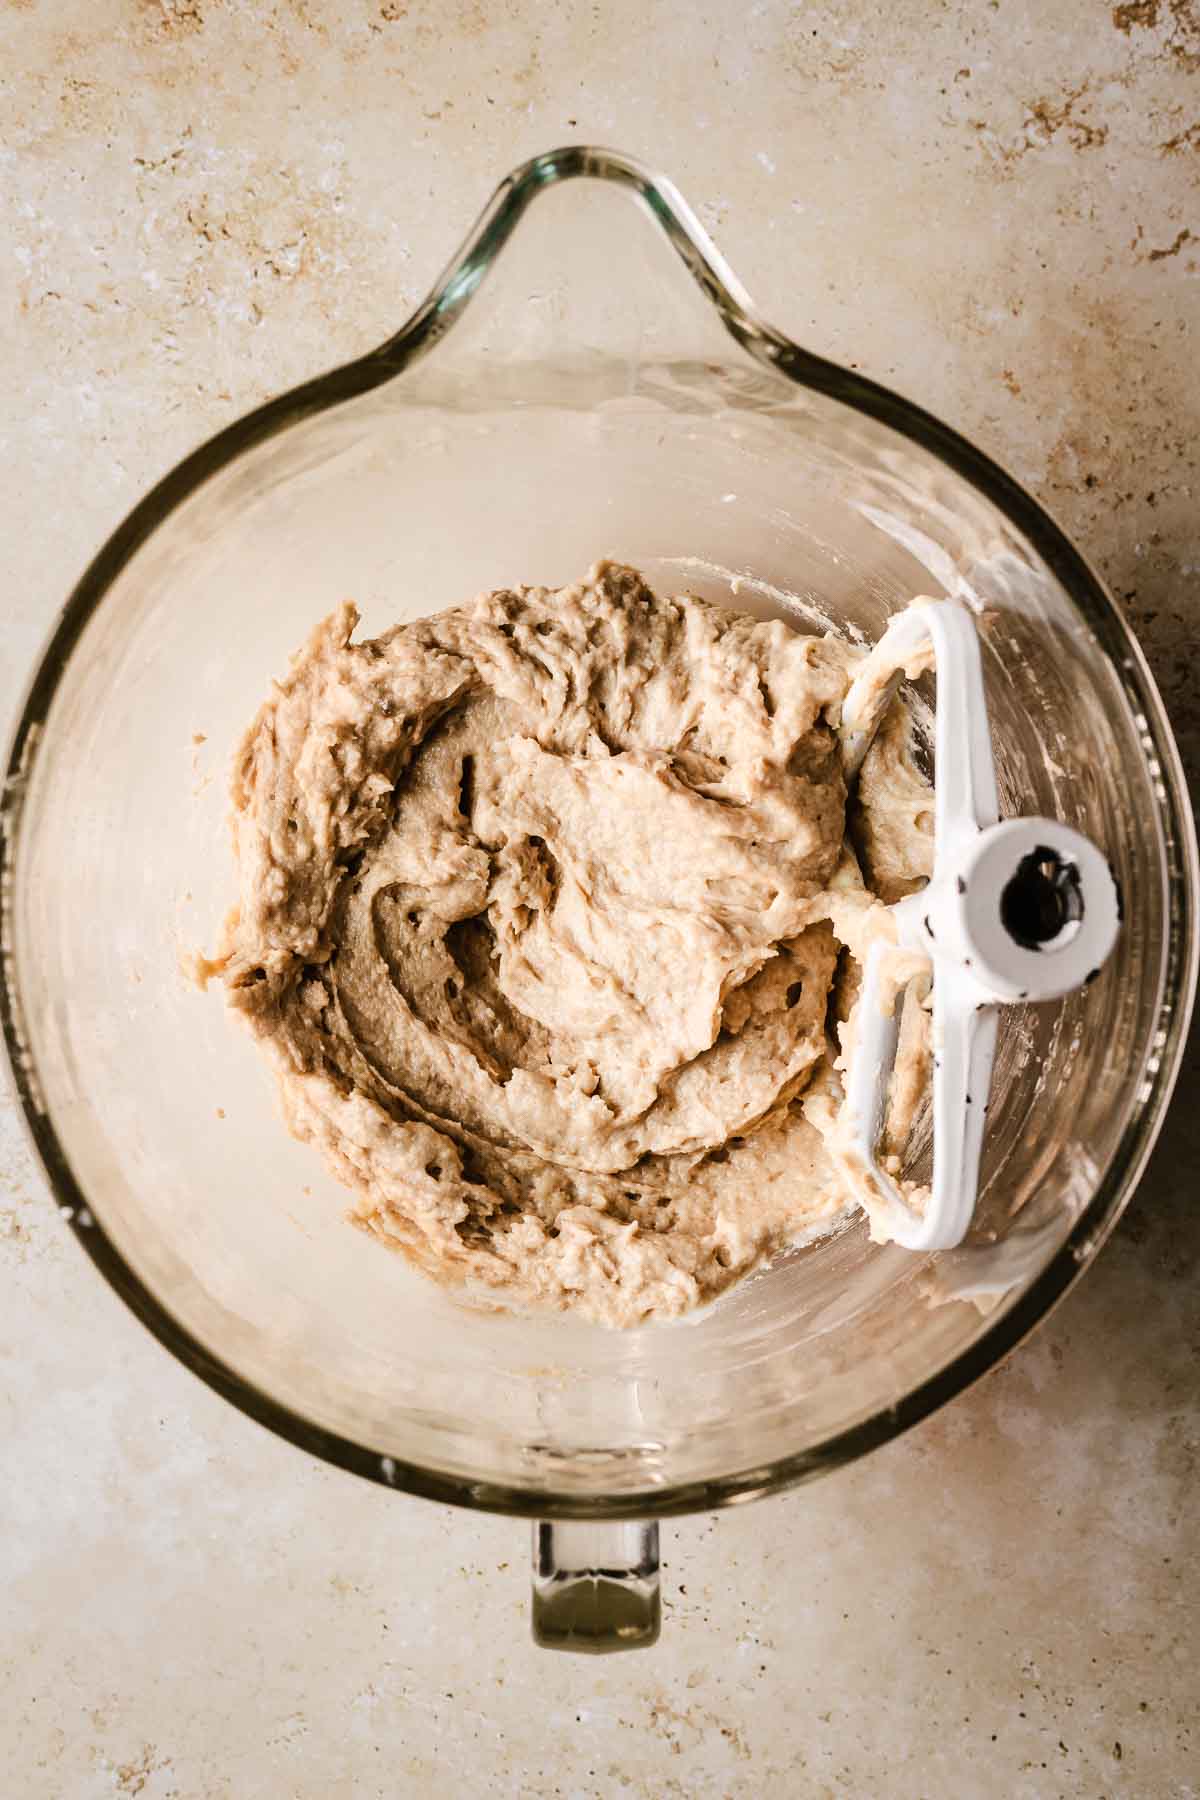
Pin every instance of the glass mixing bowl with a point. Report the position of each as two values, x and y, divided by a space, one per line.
593 383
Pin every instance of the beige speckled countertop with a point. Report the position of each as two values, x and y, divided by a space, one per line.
996 207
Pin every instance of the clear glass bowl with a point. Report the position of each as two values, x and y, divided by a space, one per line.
593 383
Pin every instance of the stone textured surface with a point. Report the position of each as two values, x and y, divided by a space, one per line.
995 206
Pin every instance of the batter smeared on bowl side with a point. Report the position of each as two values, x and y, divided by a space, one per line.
548 916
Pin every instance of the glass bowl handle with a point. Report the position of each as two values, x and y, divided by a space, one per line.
595 1585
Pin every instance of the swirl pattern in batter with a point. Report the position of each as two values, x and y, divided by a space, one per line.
548 916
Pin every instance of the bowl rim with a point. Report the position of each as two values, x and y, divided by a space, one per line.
435 315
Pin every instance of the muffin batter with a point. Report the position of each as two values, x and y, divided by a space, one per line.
548 908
